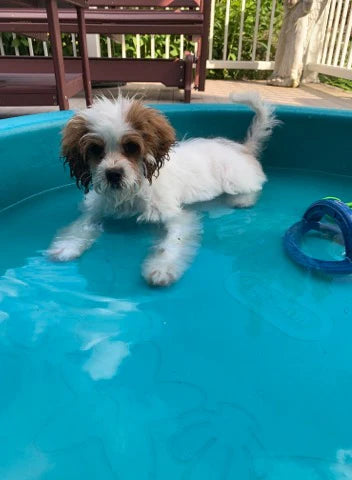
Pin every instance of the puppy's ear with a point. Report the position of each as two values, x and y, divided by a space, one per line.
71 150
157 134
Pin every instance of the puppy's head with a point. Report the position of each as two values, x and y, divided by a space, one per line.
115 145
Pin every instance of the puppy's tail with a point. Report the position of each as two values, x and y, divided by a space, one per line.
263 122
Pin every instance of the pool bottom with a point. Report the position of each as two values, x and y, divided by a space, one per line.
241 370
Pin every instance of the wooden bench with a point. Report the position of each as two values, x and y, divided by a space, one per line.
123 17
47 88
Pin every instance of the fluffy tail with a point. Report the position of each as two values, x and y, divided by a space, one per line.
263 122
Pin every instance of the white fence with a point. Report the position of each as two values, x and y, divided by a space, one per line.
252 63
336 54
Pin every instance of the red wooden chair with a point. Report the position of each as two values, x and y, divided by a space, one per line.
19 87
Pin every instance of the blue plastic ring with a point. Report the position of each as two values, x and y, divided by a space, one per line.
342 215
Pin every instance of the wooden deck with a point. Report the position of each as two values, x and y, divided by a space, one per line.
217 91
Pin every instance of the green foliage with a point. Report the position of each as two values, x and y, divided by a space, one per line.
11 41
247 37
337 82
146 46
248 29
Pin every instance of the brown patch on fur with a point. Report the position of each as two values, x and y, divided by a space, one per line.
157 134
72 152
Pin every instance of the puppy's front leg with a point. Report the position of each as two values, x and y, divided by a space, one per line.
175 251
72 241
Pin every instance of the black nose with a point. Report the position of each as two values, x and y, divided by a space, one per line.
114 176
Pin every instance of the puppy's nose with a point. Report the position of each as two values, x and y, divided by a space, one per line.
114 177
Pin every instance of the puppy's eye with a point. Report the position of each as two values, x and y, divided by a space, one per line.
131 148
95 151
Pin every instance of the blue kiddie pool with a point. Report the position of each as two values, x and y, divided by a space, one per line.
241 371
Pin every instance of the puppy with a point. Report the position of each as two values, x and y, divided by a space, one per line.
127 153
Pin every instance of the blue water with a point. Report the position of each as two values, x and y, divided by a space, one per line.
243 370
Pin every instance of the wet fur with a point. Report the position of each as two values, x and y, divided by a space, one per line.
126 136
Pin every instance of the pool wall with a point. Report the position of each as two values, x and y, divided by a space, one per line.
315 139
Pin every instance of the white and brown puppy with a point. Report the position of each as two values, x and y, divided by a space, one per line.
120 148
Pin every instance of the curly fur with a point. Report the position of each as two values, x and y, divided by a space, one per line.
121 147
72 153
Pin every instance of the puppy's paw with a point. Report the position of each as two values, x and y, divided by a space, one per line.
242 200
159 274
62 251
161 278
152 215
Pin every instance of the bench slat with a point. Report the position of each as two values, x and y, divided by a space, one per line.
107 29
105 22
150 16
146 3
106 16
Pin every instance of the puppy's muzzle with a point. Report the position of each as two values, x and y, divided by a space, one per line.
114 177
